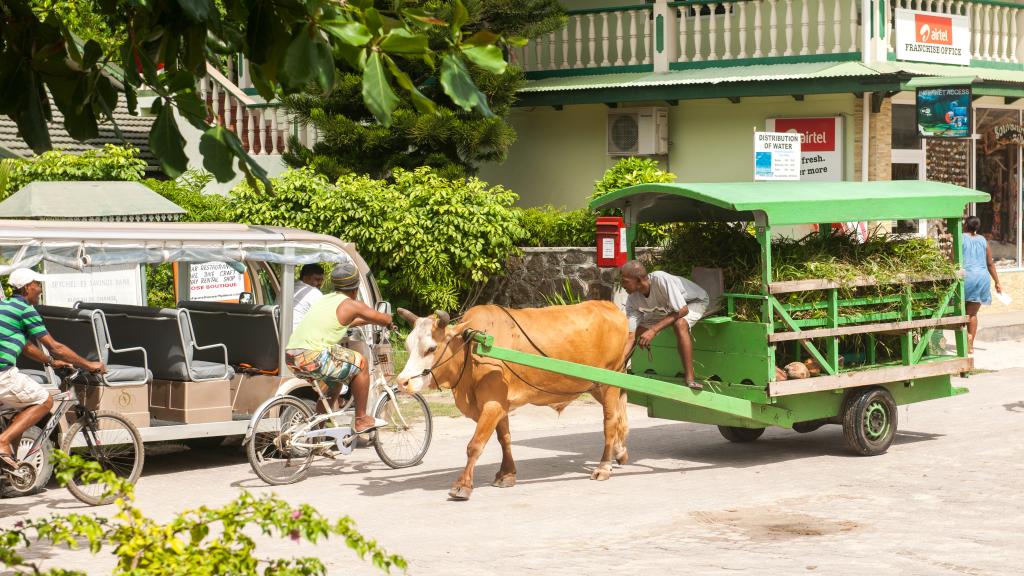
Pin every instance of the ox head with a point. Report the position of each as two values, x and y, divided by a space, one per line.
425 344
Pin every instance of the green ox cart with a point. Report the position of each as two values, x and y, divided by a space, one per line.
737 357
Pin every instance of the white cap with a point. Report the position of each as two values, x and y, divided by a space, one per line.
23 277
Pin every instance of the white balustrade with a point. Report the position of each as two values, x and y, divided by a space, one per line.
593 39
720 31
264 129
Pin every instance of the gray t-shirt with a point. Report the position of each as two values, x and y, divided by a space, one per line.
668 295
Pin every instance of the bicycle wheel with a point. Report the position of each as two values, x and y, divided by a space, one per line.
270 454
40 459
405 439
110 440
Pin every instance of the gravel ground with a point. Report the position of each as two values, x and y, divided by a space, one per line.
946 499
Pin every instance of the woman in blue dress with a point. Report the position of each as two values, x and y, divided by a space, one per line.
978 266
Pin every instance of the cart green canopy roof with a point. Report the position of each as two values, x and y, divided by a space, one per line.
791 202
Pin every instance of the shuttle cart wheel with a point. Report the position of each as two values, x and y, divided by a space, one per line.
869 421
734 434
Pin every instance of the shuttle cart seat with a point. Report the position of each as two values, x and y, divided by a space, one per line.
168 338
250 332
86 332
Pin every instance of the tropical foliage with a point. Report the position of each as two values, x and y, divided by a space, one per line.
289 45
431 241
449 139
109 163
201 542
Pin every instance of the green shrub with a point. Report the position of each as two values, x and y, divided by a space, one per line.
430 241
109 163
187 191
549 226
203 541
629 172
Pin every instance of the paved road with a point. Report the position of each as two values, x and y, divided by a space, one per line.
946 499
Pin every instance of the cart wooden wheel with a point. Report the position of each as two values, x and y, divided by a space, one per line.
869 421
734 434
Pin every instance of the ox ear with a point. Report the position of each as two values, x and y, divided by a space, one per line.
442 318
408 316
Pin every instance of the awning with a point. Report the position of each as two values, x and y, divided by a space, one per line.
107 201
792 202
76 245
712 75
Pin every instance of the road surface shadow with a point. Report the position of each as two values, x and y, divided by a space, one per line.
694 450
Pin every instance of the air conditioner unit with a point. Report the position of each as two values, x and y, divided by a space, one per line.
638 131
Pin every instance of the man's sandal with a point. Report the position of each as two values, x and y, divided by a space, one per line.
8 461
377 423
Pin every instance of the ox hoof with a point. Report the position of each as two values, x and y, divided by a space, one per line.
460 493
506 481
602 472
622 457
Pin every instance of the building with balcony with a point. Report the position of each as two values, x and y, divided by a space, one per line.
688 82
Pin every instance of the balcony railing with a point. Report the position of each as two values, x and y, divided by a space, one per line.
710 30
699 33
263 127
605 38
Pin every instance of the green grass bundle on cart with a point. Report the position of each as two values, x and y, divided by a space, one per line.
865 315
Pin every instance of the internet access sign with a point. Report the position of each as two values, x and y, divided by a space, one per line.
931 37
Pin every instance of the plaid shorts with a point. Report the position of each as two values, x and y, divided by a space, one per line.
334 365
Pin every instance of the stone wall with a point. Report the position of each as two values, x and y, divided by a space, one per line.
541 273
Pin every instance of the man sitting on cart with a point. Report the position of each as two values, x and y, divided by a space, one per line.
21 327
659 300
314 350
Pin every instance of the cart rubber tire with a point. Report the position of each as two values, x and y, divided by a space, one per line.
42 460
808 426
869 421
740 435
204 443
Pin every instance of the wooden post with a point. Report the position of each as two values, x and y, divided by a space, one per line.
764 238
832 344
956 229
907 338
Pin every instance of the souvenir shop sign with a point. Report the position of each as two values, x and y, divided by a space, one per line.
215 282
931 37
821 145
776 156
1001 136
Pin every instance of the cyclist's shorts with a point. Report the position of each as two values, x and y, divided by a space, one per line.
20 391
334 365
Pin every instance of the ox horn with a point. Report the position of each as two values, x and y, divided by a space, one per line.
442 318
408 316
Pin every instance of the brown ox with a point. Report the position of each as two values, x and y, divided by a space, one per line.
485 389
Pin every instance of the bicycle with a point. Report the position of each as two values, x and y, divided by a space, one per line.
100 436
286 434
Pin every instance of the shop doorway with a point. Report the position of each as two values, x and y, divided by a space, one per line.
998 172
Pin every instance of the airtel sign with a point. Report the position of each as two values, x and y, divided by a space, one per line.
930 37
821 145
934 29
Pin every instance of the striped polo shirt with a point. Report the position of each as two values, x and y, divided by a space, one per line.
19 321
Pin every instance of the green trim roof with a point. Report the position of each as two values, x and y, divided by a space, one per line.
111 201
792 202
715 75
982 73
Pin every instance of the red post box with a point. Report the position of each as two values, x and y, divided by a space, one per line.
611 242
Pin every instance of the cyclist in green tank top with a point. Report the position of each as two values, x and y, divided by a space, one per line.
314 350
